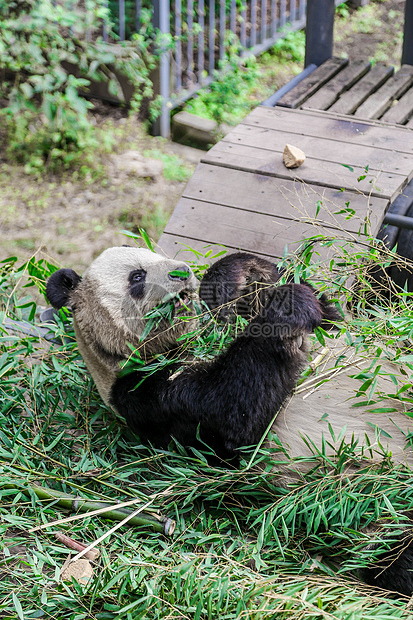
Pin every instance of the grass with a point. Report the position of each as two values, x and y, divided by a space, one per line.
245 85
70 216
174 167
367 21
243 547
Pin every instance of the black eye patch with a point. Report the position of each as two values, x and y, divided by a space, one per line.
137 283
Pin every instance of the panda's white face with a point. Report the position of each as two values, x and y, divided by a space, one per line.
129 282
119 288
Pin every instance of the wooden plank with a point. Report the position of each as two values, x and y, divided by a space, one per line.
177 246
313 171
263 234
394 88
398 130
327 150
345 129
283 199
352 99
307 87
343 81
402 111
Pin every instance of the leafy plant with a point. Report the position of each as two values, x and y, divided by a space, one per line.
174 168
226 98
242 82
50 52
342 10
290 47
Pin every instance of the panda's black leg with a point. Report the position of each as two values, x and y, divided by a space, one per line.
139 398
392 569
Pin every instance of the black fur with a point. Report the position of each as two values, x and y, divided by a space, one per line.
137 283
240 278
393 570
242 284
233 398
59 286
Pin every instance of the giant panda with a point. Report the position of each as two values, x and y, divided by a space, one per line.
230 401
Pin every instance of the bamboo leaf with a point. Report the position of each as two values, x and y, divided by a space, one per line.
17 606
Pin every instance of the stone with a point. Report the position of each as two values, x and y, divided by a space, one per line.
81 570
293 157
133 163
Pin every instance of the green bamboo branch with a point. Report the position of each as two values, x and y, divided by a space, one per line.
157 523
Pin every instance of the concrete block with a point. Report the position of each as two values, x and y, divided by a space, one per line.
202 131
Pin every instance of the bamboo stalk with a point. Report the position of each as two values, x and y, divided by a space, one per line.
127 519
93 554
309 383
162 524
92 513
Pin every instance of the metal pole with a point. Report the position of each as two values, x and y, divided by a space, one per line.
138 15
161 11
407 54
201 40
401 221
178 44
122 20
105 28
319 31
211 65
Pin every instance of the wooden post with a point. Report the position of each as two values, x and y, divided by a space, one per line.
407 54
162 125
319 31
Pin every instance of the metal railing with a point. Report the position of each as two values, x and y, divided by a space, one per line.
196 35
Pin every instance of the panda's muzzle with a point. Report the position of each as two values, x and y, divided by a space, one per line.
183 301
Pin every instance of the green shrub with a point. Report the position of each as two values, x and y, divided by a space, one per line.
48 54
290 48
227 97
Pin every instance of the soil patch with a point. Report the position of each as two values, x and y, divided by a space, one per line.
374 33
71 221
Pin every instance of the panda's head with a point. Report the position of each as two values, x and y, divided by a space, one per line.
110 302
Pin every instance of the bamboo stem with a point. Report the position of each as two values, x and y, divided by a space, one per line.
162 524
127 519
92 513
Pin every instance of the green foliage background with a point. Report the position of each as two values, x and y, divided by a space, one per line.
49 54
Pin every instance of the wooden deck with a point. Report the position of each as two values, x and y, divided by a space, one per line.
242 196
357 88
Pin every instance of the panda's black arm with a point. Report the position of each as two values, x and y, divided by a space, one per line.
233 398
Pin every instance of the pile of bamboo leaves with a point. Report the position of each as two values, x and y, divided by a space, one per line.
178 537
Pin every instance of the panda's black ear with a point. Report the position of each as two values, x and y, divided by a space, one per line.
60 285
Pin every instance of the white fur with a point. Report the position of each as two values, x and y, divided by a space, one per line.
108 320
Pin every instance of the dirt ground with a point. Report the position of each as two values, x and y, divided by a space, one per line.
71 221
374 32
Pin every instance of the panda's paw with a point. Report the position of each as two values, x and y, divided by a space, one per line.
294 307
392 569
329 311
311 310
